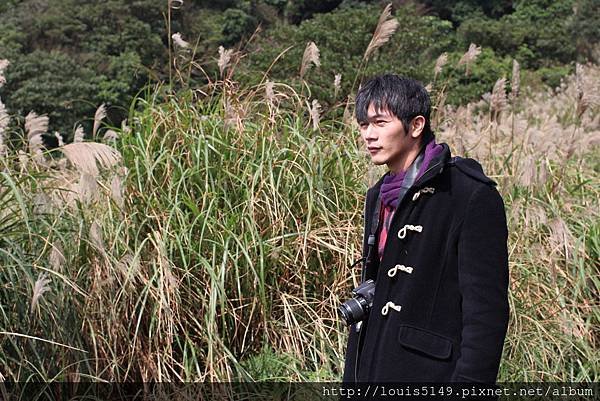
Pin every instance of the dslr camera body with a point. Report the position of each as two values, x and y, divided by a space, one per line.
358 307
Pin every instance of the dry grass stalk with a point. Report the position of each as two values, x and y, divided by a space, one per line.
515 82
224 58
39 288
79 134
98 117
85 155
383 32
311 55
35 126
315 114
179 42
470 56
440 63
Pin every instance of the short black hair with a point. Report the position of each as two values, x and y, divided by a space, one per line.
404 97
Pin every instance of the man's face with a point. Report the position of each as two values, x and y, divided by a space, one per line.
386 139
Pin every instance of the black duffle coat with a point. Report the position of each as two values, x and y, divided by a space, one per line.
440 311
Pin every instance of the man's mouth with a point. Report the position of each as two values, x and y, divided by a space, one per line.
373 149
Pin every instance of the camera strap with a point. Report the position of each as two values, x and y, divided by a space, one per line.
407 182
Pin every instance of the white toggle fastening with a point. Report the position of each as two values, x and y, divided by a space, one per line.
393 270
426 190
402 232
390 304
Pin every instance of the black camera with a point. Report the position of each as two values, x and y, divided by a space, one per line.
358 307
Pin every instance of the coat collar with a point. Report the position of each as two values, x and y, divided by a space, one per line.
436 166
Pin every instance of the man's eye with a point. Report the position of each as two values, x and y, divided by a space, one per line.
381 122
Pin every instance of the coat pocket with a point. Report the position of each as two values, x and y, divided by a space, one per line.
425 341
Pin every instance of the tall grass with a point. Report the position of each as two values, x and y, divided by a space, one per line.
213 241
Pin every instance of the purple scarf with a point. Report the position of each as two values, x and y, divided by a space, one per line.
392 182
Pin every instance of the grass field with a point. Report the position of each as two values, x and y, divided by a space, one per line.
211 240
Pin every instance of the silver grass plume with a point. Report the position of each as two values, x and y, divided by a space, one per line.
470 56
3 65
337 83
4 120
269 92
315 114
98 117
116 190
87 188
35 126
561 236
125 128
587 91
498 101
515 82
110 136
57 258
224 58
528 172
85 155
179 42
311 55
440 63
96 237
39 288
79 134
383 32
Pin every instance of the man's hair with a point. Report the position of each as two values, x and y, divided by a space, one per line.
404 97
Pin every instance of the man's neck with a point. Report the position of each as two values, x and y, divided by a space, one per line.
403 164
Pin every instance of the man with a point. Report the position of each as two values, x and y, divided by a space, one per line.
438 253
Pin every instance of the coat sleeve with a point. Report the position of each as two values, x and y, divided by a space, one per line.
483 285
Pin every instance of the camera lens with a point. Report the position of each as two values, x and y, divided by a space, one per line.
352 311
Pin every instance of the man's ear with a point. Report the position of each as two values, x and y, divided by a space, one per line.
416 126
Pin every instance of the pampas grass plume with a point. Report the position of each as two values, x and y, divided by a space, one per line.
85 155
470 56
383 32
440 63
79 134
315 114
98 117
39 288
311 55
515 82
224 58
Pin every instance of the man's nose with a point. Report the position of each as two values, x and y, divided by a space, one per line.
369 132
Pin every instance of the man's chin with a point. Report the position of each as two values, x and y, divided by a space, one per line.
377 162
